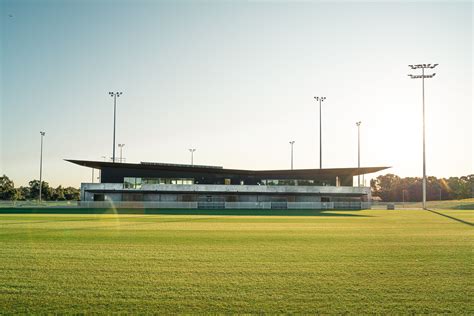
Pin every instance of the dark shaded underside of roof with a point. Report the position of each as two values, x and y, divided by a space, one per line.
259 173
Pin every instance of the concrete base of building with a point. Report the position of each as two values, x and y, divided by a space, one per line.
227 205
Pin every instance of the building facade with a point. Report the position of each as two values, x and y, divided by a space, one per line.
212 185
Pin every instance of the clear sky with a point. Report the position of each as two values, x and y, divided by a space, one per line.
235 80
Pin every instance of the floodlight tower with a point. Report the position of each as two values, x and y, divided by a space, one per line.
192 150
41 164
358 152
115 95
121 147
423 76
320 99
292 143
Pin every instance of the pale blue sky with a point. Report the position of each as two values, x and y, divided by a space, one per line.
235 80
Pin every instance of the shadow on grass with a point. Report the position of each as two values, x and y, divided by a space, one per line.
236 212
451 217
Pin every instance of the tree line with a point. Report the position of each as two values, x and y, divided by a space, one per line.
392 188
31 192
389 187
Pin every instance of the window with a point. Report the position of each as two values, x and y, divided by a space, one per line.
151 181
132 183
129 183
298 182
136 183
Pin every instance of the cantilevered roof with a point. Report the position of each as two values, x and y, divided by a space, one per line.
177 165
219 170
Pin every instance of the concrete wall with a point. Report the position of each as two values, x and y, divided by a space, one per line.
228 193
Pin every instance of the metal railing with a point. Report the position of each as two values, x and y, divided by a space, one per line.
139 204
248 205
185 205
36 203
353 205
311 205
437 205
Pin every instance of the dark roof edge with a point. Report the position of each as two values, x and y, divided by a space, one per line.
342 171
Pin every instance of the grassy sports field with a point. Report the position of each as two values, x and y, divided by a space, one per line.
348 261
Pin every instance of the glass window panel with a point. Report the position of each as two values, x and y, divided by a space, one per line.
129 183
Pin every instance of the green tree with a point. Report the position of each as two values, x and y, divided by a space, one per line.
46 191
471 184
72 194
455 187
392 188
24 193
58 194
387 187
7 189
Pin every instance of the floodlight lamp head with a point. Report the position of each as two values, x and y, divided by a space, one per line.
317 98
434 65
111 94
358 123
42 133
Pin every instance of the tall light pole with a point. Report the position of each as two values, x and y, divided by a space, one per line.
320 99
358 152
292 143
192 150
115 95
423 76
41 165
121 147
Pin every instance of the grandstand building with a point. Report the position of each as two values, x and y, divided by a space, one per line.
212 186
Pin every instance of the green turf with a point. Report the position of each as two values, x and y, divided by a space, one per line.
369 262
